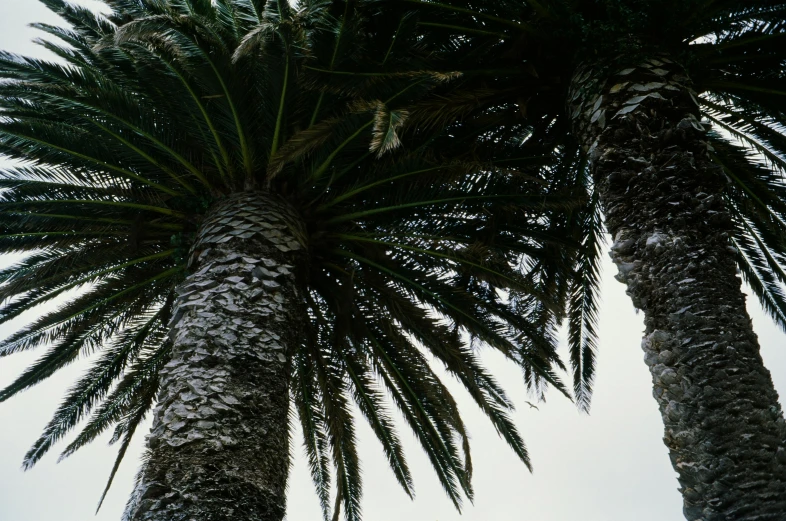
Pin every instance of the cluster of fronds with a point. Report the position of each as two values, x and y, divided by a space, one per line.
418 233
516 60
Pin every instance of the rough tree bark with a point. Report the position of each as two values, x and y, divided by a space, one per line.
218 449
663 203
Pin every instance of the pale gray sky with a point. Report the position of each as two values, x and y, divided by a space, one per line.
608 466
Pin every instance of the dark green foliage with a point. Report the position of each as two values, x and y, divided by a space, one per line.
516 60
419 233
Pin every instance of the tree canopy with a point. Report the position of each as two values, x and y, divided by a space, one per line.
517 60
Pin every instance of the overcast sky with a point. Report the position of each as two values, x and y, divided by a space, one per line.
608 466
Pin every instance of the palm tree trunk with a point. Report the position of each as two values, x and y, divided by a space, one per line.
664 207
218 449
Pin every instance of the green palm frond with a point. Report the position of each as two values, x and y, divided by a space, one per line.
583 305
755 195
312 420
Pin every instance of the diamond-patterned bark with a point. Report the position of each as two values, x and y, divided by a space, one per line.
219 449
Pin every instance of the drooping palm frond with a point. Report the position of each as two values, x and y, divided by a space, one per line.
755 196
417 234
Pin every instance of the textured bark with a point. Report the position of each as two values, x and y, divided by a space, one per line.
218 449
662 199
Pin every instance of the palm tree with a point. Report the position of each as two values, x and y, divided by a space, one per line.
227 233
676 111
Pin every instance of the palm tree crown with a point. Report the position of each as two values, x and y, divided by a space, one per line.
159 110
